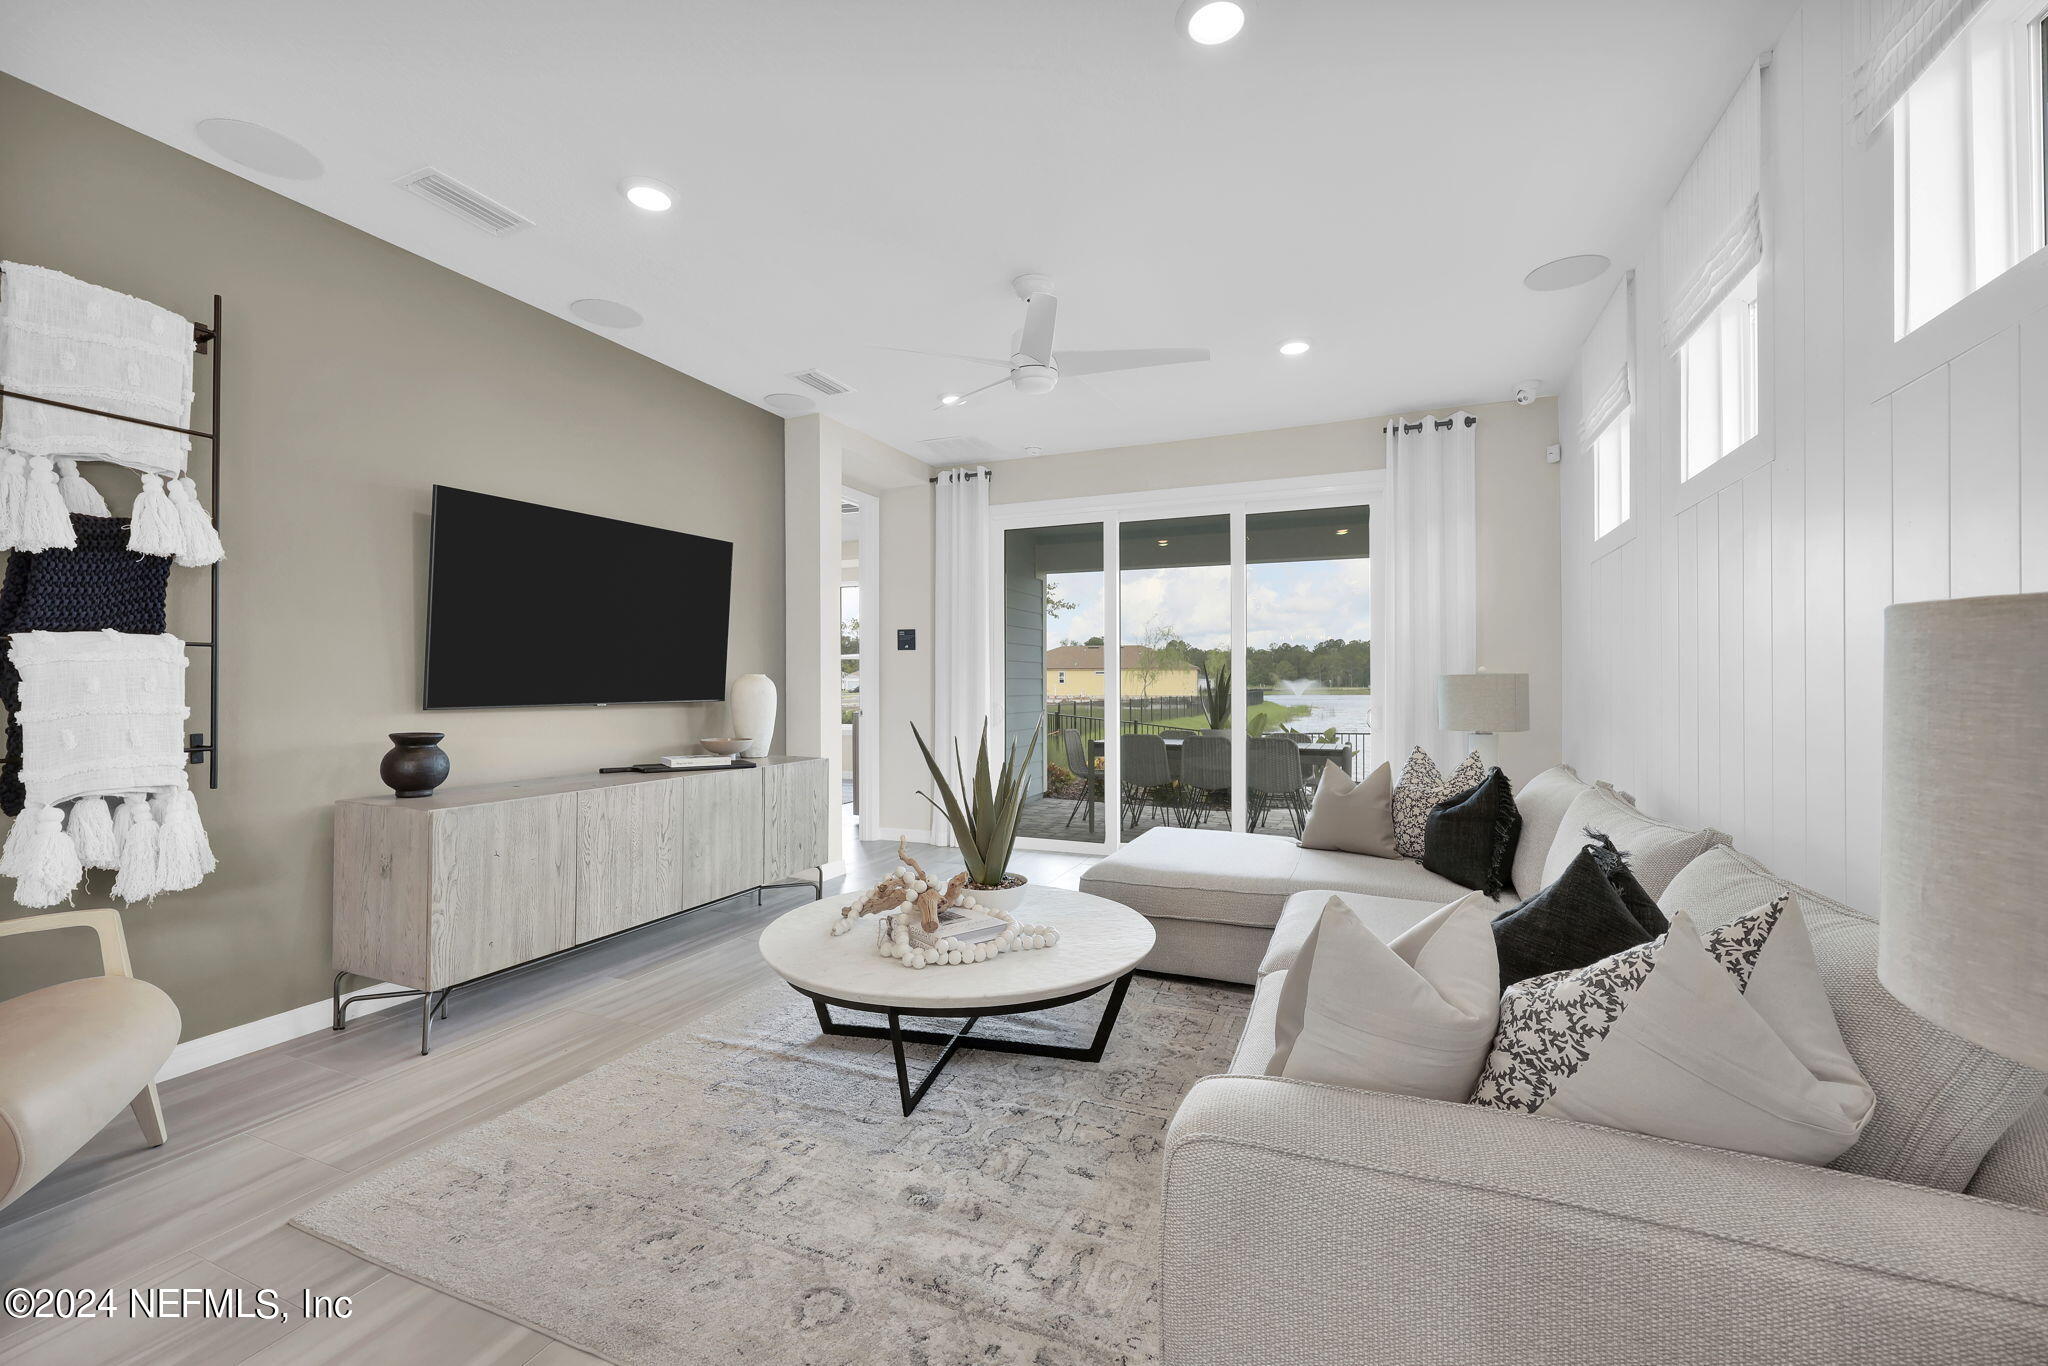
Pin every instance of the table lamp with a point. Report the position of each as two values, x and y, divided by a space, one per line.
1963 911
1483 705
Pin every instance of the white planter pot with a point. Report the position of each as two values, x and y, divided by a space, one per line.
1003 899
753 711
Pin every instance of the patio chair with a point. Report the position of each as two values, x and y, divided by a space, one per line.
1082 767
1273 774
1205 776
1148 773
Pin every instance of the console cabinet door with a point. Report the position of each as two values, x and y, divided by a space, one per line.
629 841
722 850
503 885
798 808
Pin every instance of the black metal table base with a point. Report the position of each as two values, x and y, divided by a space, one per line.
952 1043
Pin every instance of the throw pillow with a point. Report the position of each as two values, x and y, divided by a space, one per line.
1542 802
1594 909
1726 1041
1656 851
1414 1015
1356 818
1422 786
1471 839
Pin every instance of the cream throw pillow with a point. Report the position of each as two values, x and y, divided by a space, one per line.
1356 818
1727 1042
1414 1016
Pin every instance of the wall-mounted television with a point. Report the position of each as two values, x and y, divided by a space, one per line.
533 606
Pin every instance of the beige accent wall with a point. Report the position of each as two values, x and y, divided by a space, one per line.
359 377
1519 601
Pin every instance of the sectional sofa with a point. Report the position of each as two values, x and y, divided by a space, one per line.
1315 1223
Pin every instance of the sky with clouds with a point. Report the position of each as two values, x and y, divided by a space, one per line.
1300 603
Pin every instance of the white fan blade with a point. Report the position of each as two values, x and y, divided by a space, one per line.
1038 320
1103 362
948 355
969 395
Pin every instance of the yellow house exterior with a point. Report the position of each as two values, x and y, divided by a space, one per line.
1076 671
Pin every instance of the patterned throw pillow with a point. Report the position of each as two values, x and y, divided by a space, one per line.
1550 1025
1726 1040
1422 786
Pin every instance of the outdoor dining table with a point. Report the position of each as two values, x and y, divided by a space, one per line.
1313 753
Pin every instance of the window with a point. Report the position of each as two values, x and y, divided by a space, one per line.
1717 380
1610 475
1966 163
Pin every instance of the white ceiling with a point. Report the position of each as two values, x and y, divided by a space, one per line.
853 173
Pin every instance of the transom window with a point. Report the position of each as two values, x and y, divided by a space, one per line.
1966 164
1717 367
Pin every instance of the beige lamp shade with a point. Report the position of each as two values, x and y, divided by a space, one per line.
1490 704
1963 920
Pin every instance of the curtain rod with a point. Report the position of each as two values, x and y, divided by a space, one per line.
971 474
1443 424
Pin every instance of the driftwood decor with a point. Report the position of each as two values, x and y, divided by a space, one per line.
907 904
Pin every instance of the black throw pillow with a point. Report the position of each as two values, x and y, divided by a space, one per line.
1594 909
1470 838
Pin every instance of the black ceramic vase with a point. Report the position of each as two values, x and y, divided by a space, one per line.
415 766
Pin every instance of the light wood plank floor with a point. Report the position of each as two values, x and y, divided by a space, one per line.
256 1139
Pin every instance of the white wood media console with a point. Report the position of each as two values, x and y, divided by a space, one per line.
432 893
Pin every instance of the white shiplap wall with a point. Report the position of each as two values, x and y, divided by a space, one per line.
1723 655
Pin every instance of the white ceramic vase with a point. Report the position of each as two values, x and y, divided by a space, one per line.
1003 898
753 711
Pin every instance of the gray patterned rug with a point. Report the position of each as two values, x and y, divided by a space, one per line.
745 1191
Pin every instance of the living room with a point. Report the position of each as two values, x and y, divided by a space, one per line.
1486 571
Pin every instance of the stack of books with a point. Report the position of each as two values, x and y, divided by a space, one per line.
697 760
962 927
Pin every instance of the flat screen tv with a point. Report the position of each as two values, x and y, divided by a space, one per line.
532 606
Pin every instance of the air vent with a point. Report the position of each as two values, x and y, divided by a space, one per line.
479 211
822 382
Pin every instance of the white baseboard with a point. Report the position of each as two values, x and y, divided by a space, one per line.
209 1049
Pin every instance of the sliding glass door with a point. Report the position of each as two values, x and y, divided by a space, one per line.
1190 660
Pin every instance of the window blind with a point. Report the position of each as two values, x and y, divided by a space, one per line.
1712 234
1605 359
1890 43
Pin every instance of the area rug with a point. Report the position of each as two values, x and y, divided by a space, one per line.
745 1190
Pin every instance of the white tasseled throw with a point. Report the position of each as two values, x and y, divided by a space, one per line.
65 339
103 761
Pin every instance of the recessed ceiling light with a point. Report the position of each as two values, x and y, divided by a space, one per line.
789 405
606 313
254 146
1297 347
1566 272
951 400
1210 22
650 195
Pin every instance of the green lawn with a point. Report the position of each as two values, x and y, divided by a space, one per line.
1278 712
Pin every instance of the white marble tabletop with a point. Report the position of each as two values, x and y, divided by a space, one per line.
1100 941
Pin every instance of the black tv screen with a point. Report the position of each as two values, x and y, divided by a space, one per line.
532 606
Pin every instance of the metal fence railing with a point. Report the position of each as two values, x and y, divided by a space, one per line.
1089 722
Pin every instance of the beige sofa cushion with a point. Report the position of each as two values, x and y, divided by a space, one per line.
1245 879
1542 801
1656 850
1386 916
74 1055
1941 1100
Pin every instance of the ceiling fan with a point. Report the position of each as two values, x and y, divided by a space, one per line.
1034 367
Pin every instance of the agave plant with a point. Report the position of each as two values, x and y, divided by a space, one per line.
985 823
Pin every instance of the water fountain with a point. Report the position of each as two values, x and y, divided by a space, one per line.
1297 686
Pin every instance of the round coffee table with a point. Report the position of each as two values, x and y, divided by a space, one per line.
1101 943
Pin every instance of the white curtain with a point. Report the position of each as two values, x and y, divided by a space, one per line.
1426 581
1891 42
1712 231
960 644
